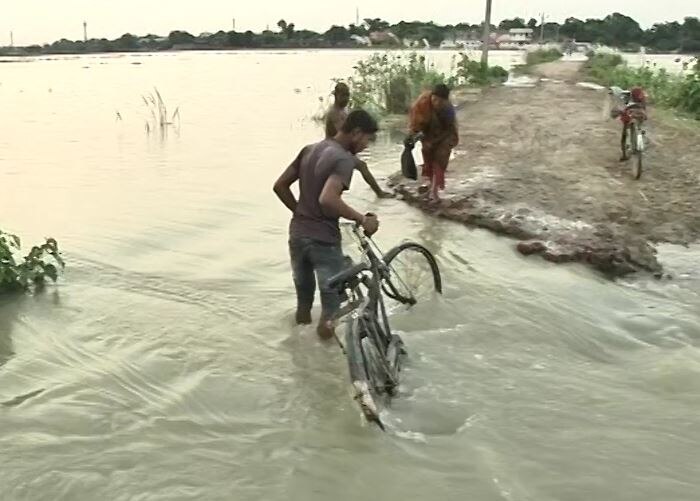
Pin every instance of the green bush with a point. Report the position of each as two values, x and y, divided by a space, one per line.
31 270
600 66
389 83
475 73
540 56
680 92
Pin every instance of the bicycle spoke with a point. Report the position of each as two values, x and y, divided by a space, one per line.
410 271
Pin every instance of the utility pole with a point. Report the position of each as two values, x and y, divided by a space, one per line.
487 34
357 16
542 16
234 24
84 31
12 39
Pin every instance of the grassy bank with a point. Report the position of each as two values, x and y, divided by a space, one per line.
535 57
542 56
678 92
389 83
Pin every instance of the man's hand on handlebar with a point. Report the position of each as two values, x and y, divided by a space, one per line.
370 223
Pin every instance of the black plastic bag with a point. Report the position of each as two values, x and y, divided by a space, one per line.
408 164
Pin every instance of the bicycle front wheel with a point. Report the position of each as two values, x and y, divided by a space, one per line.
367 376
414 274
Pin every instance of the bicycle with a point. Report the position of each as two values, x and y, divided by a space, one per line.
374 353
633 116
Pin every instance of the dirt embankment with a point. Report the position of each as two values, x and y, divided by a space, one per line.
540 164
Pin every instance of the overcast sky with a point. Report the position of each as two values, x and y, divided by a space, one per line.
40 21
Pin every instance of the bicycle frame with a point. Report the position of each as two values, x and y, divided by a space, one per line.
370 305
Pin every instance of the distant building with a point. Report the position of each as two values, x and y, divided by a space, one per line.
470 44
384 37
520 35
516 38
449 44
360 40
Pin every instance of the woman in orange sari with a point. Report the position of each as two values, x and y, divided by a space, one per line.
433 118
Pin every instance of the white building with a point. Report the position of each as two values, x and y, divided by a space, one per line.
520 35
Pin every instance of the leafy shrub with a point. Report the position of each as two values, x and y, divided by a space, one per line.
388 83
475 73
32 270
681 92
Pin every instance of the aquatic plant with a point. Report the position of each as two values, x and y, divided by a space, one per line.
158 112
22 273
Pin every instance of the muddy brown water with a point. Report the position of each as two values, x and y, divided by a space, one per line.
164 365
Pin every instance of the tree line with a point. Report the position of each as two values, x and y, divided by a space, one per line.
615 30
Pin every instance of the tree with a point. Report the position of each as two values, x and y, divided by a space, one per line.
620 30
532 23
573 29
126 42
690 35
180 38
594 31
337 34
665 37
376 24
433 34
286 28
358 30
509 24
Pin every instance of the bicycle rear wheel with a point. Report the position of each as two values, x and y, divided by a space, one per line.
637 150
414 274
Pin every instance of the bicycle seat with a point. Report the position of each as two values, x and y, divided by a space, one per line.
339 280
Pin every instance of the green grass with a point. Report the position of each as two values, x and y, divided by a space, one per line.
542 56
678 92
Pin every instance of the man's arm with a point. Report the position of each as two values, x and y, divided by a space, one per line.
369 179
332 203
334 121
282 186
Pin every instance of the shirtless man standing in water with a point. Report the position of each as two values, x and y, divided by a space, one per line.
335 117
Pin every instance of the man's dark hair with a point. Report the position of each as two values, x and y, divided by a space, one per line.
441 90
341 88
360 119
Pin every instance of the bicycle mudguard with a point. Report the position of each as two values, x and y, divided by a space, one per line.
339 280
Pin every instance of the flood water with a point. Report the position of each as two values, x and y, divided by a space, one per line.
164 366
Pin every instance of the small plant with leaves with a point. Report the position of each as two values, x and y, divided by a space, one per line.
31 271
477 74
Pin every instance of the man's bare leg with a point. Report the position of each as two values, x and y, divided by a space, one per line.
325 329
303 316
434 187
